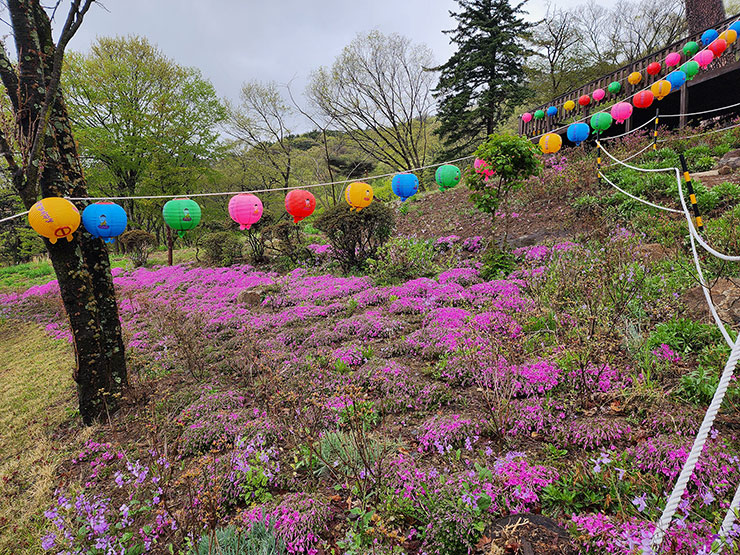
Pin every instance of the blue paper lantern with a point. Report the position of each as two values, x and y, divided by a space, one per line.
676 79
405 185
105 220
709 36
578 132
552 111
735 27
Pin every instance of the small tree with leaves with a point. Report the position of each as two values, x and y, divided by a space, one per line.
513 160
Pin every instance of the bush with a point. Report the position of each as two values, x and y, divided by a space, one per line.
138 244
221 248
260 540
401 259
356 236
684 335
286 239
497 263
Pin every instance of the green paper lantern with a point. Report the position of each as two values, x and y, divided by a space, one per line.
690 48
539 114
181 214
614 87
447 176
690 69
601 121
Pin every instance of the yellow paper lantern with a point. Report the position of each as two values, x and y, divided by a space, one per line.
358 195
54 218
634 78
729 36
569 105
661 88
550 143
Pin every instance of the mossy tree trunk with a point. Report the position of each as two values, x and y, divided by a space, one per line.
42 161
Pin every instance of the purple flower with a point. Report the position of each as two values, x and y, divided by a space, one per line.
640 502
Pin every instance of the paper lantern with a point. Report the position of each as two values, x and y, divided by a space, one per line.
728 36
599 95
735 27
526 117
181 214
704 58
601 121
578 132
709 36
634 78
105 220
718 47
690 48
405 185
550 143
621 111
614 87
643 99
447 176
569 105
54 218
673 59
539 114
299 204
690 69
654 68
584 100
660 89
676 79
245 209
358 195
552 111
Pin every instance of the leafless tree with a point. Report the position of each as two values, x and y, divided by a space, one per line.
379 92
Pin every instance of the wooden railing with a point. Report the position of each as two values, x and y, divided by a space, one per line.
537 127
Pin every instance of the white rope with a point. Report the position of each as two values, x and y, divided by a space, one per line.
659 207
630 157
621 163
14 216
227 193
701 438
651 120
699 134
727 523
700 113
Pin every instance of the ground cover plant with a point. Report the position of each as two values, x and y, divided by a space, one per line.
405 410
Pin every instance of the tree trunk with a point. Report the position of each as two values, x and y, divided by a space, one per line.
702 14
81 265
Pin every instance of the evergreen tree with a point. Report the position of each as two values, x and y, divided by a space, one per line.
484 80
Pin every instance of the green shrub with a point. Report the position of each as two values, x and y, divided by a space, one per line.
401 259
260 540
497 263
222 248
727 193
287 240
356 236
697 158
138 244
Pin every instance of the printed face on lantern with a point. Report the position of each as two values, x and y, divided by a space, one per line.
367 196
256 209
103 224
186 217
308 202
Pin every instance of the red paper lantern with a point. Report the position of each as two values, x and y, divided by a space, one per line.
300 204
653 69
643 99
718 46
585 100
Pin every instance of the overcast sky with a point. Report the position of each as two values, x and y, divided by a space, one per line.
233 41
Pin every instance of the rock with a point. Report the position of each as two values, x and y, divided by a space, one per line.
731 159
709 173
249 298
726 298
725 170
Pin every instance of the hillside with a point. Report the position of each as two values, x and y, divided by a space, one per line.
563 382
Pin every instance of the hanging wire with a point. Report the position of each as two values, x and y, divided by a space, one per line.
13 217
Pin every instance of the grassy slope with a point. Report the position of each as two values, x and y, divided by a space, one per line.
36 397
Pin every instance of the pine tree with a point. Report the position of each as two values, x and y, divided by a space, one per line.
484 80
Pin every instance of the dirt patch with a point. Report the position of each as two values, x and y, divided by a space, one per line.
526 534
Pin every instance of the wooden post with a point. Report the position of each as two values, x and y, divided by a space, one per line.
170 243
684 109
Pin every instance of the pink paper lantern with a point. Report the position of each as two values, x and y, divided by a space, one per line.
598 95
621 111
526 117
673 59
704 58
245 209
